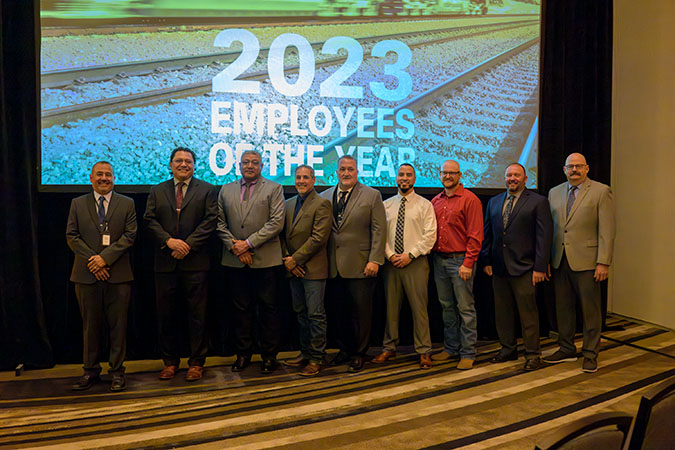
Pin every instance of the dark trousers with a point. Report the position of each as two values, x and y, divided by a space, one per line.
104 308
511 293
175 291
570 286
255 300
350 313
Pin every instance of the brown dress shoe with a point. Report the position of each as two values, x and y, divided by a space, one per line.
443 356
194 373
168 372
383 357
465 364
425 362
310 370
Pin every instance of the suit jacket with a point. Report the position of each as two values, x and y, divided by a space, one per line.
525 243
195 225
361 236
260 221
306 237
587 235
83 235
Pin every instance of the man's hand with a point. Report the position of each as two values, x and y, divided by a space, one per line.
548 271
102 274
400 260
96 263
289 263
465 272
371 269
298 271
246 258
239 247
178 245
488 270
177 255
538 277
601 272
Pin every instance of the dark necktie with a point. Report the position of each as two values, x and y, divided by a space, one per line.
247 191
507 210
298 205
101 210
342 203
179 195
400 225
570 199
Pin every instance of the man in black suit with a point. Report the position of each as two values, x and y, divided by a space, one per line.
181 215
518 236
101 228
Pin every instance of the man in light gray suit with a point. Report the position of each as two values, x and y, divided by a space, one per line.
250 218
306 231
355 253
583 242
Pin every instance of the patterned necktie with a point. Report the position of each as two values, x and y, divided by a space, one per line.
400 225
507 210
570 199
101 210
247 191
342 203
179 195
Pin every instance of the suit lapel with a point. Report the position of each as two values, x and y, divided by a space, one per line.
111 207
246 207
91 207
304 208
353 200
190 193
498 206
170 192
583 191
519 204
330 194
289 213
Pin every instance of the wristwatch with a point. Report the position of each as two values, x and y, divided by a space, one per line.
412 258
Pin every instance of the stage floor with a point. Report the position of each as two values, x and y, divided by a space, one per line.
389 406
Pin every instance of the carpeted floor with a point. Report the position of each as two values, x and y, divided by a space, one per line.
389 406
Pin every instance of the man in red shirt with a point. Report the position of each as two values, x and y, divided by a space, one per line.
459 215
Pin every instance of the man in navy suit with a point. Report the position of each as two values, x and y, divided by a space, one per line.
518 236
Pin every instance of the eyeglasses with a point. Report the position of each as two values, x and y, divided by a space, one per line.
445 174
189 162
247 162
574 166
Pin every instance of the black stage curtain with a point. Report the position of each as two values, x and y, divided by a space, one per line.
575 116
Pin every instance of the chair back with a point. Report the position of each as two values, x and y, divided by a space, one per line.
654 424
606 431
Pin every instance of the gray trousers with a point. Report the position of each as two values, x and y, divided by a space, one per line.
412 281
570 286
511 293
104 307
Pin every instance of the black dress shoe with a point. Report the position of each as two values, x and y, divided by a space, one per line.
268 366
533 364
119 383
357 364
85 382
241 363
340 359
500 357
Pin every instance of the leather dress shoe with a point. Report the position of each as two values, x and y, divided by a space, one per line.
444 356
268 366
85 382
241 363
194 373
340 359
383 357
300 361
533 364
425 362
168 372
119 383
500 357
310 370
357 364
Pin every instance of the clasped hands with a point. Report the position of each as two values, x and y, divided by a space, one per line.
242 251
293 267
179 247
537 277
400 260
97 265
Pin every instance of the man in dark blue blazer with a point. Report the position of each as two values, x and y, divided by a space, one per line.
518 236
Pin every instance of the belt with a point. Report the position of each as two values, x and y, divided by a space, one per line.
450 255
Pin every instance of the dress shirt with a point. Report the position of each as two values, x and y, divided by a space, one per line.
515 200
251 188
576 191
460 224
106 202
185 185
419 233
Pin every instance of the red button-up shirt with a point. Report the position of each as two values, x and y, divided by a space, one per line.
460 224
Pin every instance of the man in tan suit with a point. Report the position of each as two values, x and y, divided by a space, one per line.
306 231
355 254
583 241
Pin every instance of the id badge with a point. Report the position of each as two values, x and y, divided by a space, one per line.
105 239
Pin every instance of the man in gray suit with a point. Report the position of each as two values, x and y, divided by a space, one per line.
306 231
355 253
250 218
101 228
583 242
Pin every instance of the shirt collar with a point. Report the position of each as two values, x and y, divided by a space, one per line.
187 182
459 192
106 197
253 183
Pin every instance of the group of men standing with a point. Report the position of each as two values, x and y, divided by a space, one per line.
332 245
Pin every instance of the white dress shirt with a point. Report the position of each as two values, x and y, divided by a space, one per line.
419 232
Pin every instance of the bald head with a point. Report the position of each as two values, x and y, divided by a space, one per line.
576 169
450 176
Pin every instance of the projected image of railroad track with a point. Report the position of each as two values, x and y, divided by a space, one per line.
179 113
